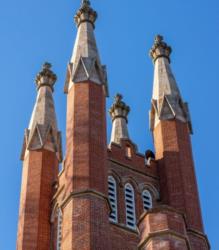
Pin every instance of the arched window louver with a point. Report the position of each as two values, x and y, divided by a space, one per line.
112 193
130 206
59 229
147 200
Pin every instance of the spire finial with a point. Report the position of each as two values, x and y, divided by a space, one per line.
85 13
46 77
160 49
119 108
85 2
118 98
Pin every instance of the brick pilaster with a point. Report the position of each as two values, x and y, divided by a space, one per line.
85 214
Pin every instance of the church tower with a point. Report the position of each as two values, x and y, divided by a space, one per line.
85 205
41 154
178 220
108 196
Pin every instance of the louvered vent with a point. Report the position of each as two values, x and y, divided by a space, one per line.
130 206
112 193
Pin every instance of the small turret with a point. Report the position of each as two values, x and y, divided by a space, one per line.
119 114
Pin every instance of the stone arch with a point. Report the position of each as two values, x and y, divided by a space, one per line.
132 181
147 186
115 175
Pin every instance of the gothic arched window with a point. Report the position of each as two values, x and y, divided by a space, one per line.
112 193
147 200
59 230
130 206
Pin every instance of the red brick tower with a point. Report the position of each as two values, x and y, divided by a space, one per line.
83 183
41 155
178 224
108 198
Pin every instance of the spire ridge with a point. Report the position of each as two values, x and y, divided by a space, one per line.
160 49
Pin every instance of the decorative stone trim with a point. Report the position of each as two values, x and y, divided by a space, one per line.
46 77
85 14
60 189
162 233
125 228
200 235
86 192
158 209
160 49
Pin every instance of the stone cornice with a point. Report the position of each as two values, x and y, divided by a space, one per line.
162 233
124 227
160 208
86 192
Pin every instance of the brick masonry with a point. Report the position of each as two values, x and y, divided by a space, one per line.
80 190
40 169
85 213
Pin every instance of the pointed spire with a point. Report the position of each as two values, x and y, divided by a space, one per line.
119 114
42 131
167 102
85 64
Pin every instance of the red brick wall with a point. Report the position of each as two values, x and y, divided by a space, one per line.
39 171
163 228
176 168
85 214
134 171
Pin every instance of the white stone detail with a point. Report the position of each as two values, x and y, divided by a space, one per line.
119 130
167 102
42 131
85 62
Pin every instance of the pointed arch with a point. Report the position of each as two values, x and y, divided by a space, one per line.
147 200
116 176
131 181
153 190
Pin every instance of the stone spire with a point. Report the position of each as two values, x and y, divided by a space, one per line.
85 64
42 132
119 113
167 102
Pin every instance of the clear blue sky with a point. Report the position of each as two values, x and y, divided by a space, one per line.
32 32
